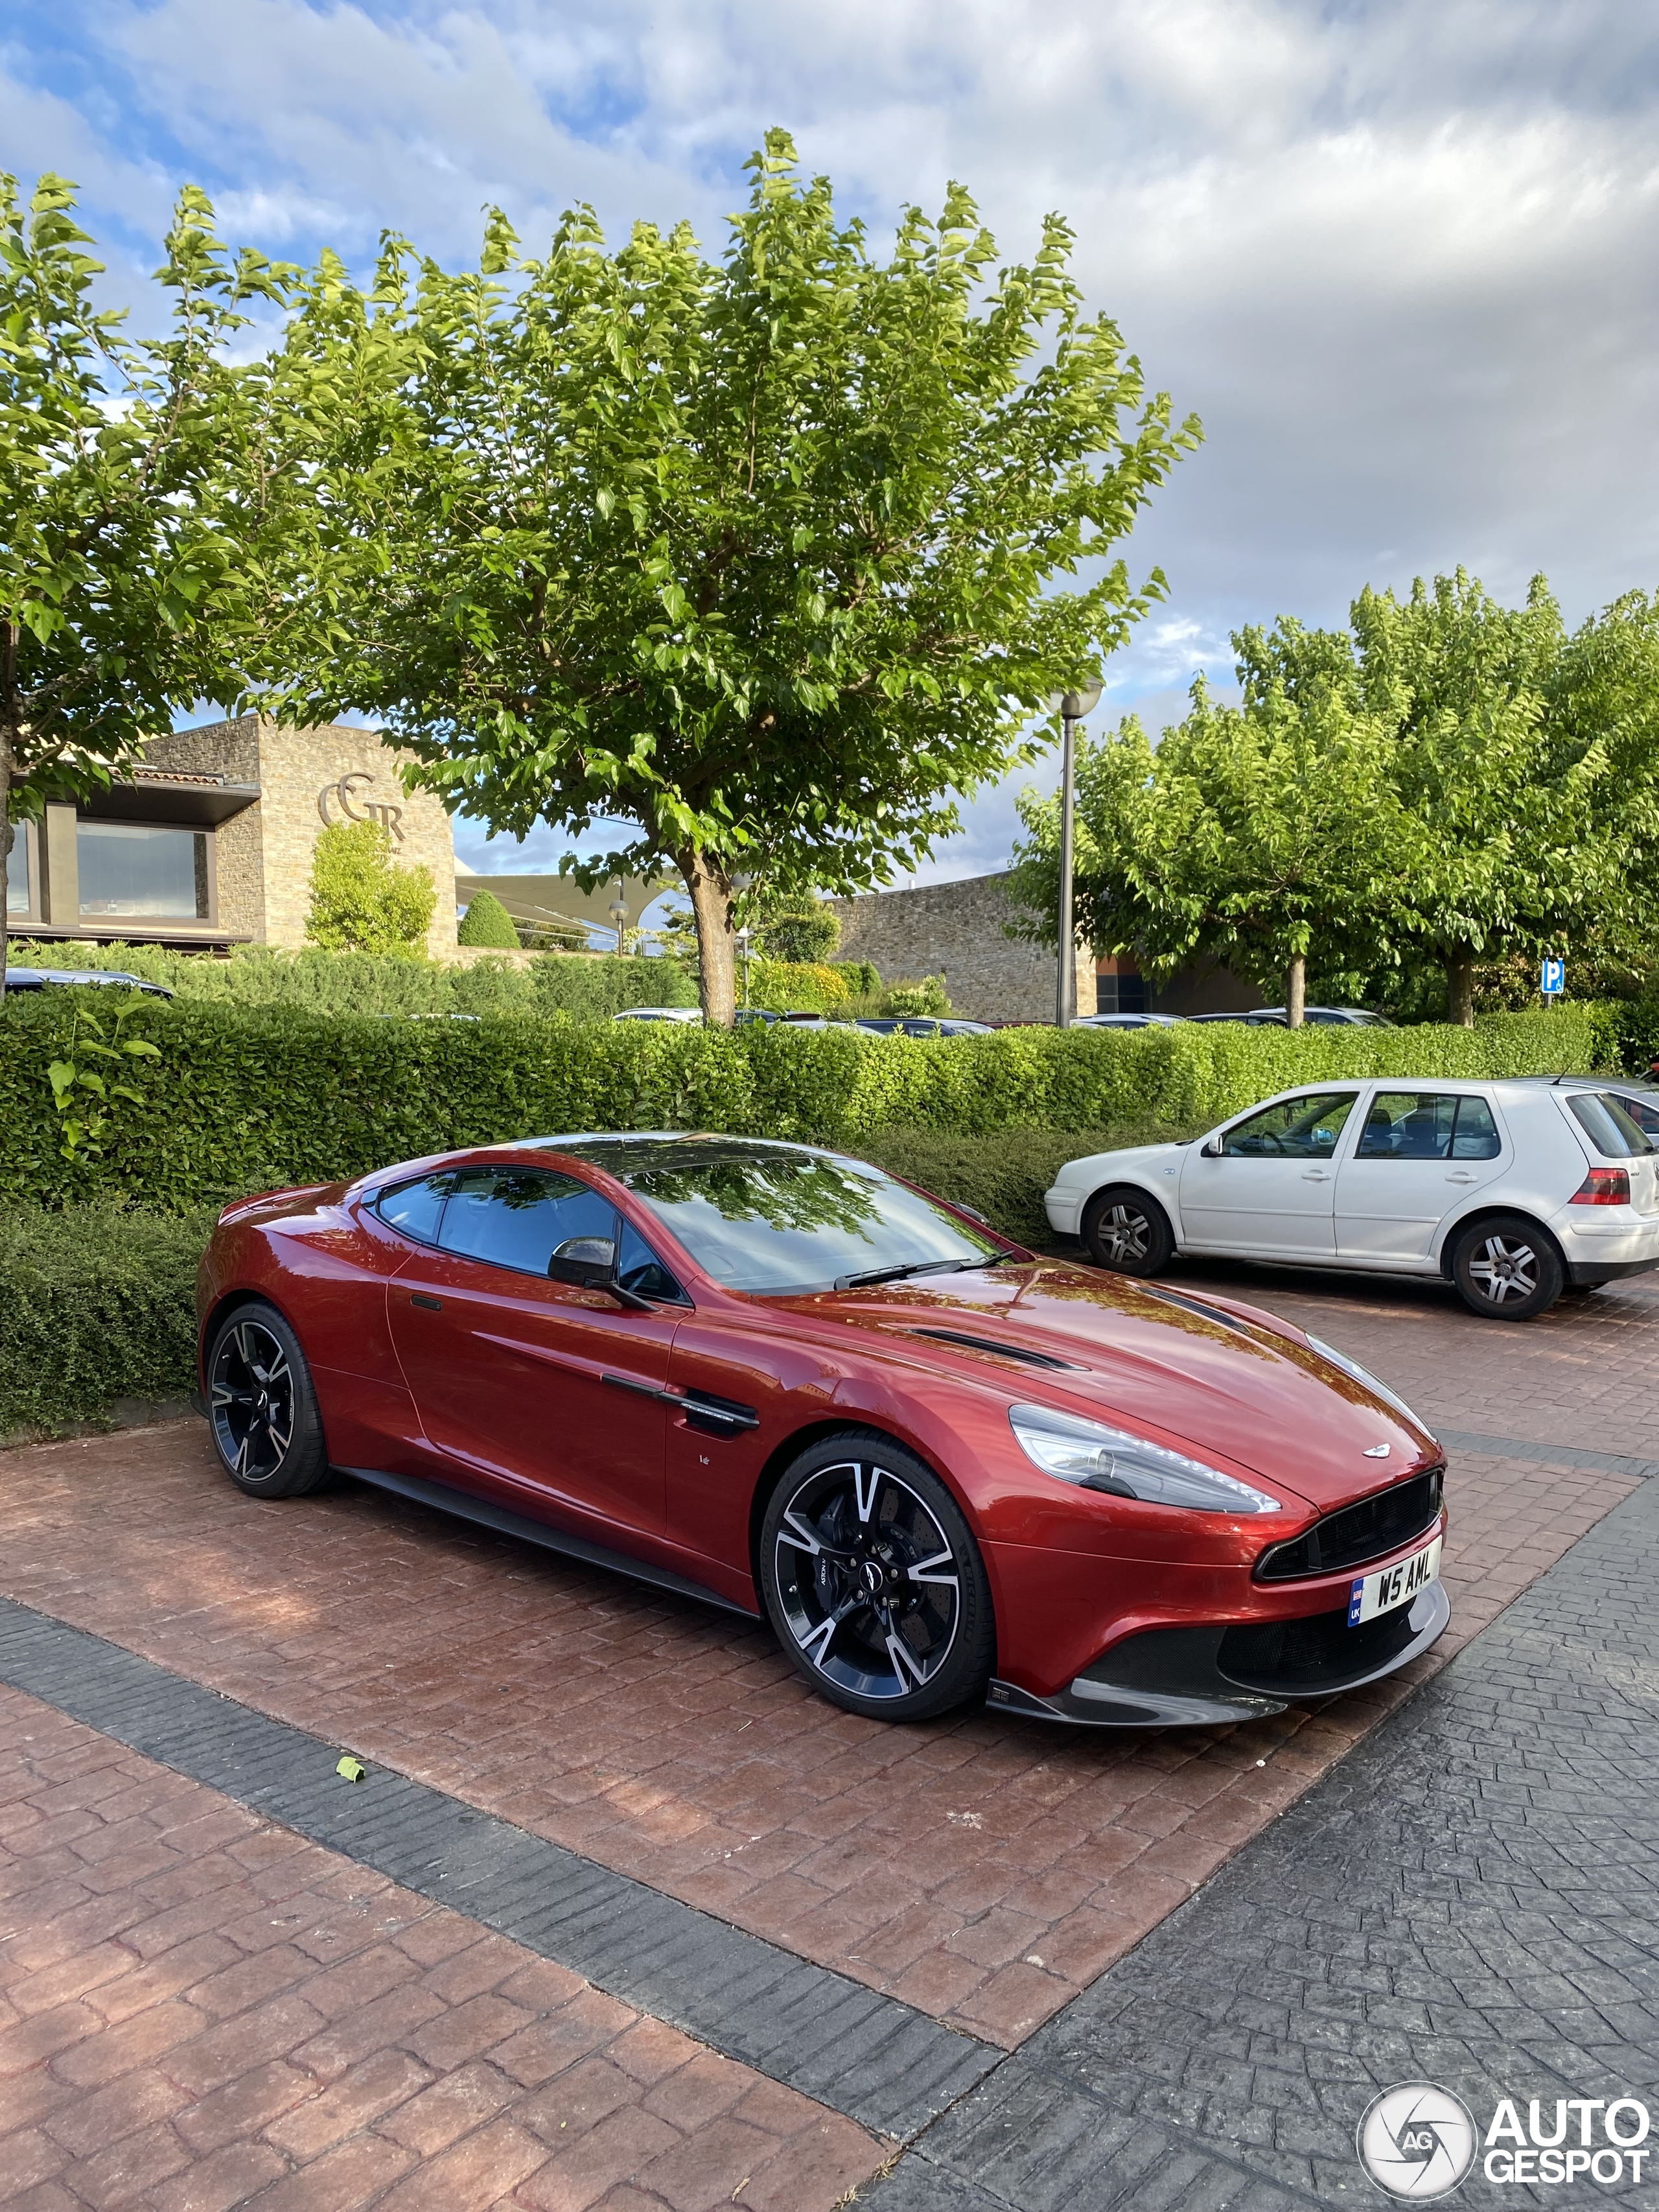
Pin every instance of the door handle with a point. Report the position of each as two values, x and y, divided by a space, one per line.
1315 1174
1462 1174
420 1298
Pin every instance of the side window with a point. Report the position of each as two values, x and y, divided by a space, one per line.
639 1270
415 1208
519 1218
1412 1125
1476 1138
1607 1123
1295 1129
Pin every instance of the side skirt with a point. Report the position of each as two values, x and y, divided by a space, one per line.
440 1496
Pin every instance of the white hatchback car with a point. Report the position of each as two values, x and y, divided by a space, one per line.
1510 1190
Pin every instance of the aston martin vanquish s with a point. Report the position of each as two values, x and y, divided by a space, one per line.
781 1381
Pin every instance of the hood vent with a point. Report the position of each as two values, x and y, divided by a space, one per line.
1002 1350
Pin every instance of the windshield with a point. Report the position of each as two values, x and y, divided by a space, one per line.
772 1218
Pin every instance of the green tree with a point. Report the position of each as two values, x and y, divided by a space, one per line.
800 930
487 921
1259 837
361 900
1516 836
119 557
760 556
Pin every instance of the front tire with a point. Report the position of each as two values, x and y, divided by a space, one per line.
1507 1269
1126 1231
873 1582
262 1409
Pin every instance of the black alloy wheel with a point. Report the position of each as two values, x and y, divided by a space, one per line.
874 1584
262 1409
1128 1232
1506 1269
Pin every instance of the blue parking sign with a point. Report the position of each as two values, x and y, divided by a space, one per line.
1553 978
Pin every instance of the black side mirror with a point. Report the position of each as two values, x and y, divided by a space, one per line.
589 1263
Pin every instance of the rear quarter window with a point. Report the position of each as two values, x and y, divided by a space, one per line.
415 1209
1609 1124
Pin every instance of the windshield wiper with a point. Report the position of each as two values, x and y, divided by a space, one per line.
894 1275
991 1260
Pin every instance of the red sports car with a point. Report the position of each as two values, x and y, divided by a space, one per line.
784 1382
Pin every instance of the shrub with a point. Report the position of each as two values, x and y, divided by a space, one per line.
861 977
1004 1176
929 996
487 921
96 1304
800 933
361 900
782 987
251 1096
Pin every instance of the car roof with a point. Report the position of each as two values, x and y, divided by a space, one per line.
34 979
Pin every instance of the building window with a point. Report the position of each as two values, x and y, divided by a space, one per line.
127 868
20 872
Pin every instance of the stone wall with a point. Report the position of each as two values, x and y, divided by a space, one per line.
958 930
263 853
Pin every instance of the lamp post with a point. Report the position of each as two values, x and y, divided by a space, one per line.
1073 706
618 913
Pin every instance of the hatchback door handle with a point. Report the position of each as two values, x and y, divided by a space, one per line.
1315 1174
1462 1174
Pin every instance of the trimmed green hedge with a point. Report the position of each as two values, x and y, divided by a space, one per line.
324 983
244 1098
96 1303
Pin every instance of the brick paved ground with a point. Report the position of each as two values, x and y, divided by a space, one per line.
199 2011
983 1869
1467 1900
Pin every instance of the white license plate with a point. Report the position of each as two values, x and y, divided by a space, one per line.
1392 1586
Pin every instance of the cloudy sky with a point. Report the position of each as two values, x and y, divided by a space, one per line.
1401 258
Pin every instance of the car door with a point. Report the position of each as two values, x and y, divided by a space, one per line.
1419 1154
1266 1186
536 1393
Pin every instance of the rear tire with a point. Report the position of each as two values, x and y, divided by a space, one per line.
1126 1231
262 1409
873 1582
1507 1269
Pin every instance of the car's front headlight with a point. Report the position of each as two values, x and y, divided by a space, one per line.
1095 1457
1364 1374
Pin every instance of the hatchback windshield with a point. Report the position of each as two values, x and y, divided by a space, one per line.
769 1217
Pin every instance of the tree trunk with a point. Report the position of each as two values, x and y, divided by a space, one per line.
1460 987
710 891
1295 989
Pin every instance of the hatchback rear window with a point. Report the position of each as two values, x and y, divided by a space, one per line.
1609 1125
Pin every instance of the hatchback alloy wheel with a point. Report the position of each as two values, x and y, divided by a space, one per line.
1129 1233
1506 1269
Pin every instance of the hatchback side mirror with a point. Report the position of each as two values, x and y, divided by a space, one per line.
1211 1150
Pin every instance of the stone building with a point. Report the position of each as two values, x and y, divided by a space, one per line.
209 842
959 931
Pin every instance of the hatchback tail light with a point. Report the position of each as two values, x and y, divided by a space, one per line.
1603 1187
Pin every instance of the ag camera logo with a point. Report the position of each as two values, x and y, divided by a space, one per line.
1416 2140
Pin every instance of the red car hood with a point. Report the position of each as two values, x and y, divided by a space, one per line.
1221 1377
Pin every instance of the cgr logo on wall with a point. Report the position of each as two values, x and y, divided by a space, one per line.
1416 2140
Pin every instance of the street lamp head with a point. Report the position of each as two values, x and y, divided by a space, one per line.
1076 703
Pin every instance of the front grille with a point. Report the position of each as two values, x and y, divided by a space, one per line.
1321 1654
1369 1530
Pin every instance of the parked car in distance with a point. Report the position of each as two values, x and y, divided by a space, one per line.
1315 1016
921 1025
40 979
1512 1190
1127 1021
784 1382
659 1014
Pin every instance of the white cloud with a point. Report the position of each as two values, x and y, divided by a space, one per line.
1401 258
